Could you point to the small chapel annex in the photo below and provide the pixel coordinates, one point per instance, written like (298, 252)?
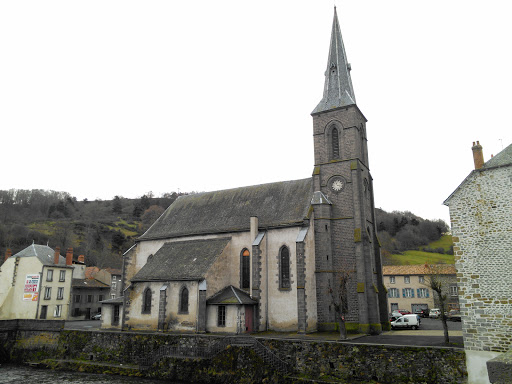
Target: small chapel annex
(266, 257)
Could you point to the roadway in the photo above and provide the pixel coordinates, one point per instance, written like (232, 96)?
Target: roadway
(430, 333)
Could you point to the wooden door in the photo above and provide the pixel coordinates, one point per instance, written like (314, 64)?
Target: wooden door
(249, 313)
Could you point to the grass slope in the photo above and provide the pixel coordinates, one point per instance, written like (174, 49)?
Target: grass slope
(414, 257)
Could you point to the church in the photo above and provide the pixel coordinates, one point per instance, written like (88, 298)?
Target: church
(268, 257)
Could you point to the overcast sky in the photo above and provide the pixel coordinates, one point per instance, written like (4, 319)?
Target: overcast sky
(105, 98)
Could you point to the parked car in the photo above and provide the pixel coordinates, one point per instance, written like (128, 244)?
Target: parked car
(406, 321)
(422, 312)
(96, 316)
(435, 313)
(454, 315)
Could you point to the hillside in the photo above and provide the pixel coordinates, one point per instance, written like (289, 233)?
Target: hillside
(100, 230)
(408, 239)
(432, 256)
(103, 230)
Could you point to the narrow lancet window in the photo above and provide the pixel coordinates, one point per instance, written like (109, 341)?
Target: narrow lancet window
(146, 307)
(335, 144)
(184, 300)
(284, 268)
(246, 269)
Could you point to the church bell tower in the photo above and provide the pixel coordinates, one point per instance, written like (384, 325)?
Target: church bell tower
(344, 214)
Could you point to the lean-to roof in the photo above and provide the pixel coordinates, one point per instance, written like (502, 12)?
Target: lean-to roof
(182, 260)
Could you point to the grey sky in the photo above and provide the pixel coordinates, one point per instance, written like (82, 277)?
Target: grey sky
(105, 98)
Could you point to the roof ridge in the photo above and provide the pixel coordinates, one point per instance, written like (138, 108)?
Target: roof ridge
(236, 295)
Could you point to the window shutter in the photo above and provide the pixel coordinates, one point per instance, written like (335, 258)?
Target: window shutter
(403, 292)
(427, 293)
(418, 291)
(412, 292)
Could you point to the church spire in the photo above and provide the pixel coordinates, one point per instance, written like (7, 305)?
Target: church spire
(338, 91)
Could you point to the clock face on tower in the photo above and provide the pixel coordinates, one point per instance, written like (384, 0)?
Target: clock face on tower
(336, 184)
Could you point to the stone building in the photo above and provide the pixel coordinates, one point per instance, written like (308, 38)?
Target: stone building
(273, 251)
(87, 297)
(481, 219)
(112, 277)
(408, 289)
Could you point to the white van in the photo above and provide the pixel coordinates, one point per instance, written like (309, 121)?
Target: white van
(406, 321)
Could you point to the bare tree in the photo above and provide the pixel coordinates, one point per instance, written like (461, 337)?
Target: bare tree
(339, 299)
(434, 280)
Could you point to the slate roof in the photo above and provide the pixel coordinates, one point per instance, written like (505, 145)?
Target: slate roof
(421, 269)
(278, 204)
(117, 300)
(501, 159)
(88, 283)
(113, 271)
(230, 295)
(44, 253)
(182, 260)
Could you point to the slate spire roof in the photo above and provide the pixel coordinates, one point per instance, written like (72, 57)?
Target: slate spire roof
(338, 91)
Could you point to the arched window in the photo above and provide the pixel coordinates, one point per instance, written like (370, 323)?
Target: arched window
(245, 265)
(335, 143)
(184, 300)
(284, 268)
(146, 301)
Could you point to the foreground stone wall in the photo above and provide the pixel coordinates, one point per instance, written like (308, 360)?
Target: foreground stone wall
(121, 352)
(480, 213)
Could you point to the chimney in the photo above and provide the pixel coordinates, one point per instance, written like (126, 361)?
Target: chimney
(478, 155)
(57, 256)
(254, 227)
(81, 259)
(8, 254)
(69, 256)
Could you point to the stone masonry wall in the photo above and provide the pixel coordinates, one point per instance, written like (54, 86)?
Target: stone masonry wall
(315, 360)
(481, 217)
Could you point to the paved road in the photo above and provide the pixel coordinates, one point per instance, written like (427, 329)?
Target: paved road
(429, 334)
(83, 324)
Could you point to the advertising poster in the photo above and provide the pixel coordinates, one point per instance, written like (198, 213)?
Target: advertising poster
(31, 290)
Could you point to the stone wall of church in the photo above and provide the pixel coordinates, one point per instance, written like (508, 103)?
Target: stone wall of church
(310, 286)
(282, 302)
(175, 319)
(481, 217)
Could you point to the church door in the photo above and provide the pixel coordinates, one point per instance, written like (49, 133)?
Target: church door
(248, 318)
